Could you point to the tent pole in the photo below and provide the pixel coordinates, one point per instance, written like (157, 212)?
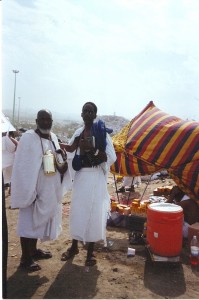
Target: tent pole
(116, 188)
(130, 191)
(146, 187)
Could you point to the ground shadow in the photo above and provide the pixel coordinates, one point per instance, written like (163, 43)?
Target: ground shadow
(74, 282)
(155, 273)
(22, 285)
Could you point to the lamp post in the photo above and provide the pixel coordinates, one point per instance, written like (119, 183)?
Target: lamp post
(18, 109)
(13, 111)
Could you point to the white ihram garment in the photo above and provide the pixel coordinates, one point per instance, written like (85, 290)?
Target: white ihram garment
(129, 180)
(8, 154)
(90, 201)
(38, 196)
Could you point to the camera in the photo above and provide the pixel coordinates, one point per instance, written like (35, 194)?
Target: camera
(91, 140)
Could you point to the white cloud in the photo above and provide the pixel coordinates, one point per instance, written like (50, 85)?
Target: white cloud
(116, 53)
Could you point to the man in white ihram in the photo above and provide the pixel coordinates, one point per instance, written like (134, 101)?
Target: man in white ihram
(9, 145)
(90, 200)
(36, 192)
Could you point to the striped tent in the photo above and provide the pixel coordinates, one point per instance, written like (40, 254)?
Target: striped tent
(153, 141)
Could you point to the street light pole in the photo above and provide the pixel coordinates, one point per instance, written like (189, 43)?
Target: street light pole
(13, 111)
(18, 109)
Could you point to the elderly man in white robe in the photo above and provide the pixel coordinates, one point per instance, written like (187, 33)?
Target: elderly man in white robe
(90, 201)
(38, 188)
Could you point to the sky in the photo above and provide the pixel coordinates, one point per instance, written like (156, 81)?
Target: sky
(119, 54)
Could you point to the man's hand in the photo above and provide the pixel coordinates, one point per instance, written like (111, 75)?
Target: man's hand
(62, 152)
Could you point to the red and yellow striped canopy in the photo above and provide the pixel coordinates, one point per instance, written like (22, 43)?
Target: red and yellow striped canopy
(153, 141)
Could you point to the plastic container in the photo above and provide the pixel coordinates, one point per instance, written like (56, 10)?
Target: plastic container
(164, 229)
(49, 163)
(113, 206)
(194, 251)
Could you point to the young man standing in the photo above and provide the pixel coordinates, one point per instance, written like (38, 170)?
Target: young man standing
(90, 201)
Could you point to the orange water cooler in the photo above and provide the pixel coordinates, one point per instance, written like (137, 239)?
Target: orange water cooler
(164, 229)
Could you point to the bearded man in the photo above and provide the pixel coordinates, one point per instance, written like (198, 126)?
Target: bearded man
(37, 189)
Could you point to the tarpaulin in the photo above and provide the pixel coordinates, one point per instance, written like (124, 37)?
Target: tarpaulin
(153, 141)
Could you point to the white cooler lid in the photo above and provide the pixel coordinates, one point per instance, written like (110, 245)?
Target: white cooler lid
(165, 207)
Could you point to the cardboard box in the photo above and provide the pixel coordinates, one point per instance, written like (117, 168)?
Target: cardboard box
(193, 230)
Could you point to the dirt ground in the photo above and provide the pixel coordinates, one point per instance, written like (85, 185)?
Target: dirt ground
(115, 276)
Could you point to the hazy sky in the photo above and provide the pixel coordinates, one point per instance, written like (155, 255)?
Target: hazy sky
(119, 54)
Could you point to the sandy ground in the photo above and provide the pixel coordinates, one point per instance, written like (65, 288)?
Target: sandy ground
(115, 275)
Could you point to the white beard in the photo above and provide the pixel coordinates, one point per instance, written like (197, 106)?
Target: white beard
(44, 131)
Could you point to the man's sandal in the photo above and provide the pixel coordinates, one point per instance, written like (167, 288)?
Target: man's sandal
(29, 265)
(91, 261)
(42, 254)
(70, 253)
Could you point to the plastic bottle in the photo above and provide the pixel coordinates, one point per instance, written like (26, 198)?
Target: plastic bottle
(194, 257)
